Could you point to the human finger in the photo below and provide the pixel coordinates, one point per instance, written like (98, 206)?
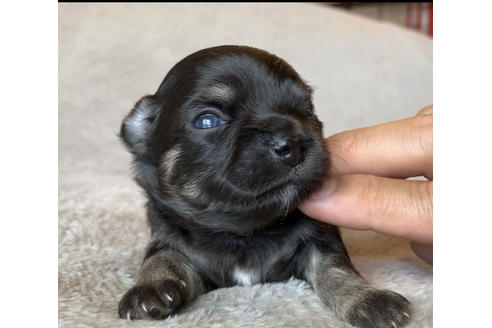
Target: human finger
(398, 149)
(397, 207)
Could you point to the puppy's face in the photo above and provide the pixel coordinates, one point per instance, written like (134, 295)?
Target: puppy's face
(229, 141)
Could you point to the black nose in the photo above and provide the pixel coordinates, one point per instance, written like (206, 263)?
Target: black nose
(289, 150)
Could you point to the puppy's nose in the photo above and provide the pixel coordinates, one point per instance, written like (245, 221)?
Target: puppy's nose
(289, 150)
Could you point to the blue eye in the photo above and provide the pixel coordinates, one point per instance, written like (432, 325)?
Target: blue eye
(207, 121)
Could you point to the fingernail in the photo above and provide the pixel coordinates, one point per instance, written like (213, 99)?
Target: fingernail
(324, 192)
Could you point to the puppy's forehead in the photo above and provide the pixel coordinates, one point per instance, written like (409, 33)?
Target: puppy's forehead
(220, 91)
(269, 78)
(236, 69)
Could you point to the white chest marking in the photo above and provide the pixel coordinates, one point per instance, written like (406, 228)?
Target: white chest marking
(245, 278)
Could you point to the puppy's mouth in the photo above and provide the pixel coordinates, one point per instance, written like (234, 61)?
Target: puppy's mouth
(286, 182)
(287, 192)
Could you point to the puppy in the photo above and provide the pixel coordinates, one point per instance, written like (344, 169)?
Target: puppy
(225, 150)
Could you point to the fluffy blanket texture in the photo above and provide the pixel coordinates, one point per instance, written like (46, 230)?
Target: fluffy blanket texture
(364, 72)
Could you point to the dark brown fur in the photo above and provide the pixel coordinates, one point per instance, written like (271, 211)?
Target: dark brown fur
(222, 201)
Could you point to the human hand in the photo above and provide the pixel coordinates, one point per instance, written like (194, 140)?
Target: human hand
(366, 188)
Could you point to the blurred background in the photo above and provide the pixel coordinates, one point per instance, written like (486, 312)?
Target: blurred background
(414, 15)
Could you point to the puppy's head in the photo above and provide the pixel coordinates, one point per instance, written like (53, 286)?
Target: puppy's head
(228, 142)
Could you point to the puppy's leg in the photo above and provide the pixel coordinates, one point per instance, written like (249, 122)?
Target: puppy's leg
(340, 286)
(165, 282)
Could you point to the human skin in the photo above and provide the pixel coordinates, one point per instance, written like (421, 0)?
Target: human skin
(367, 188)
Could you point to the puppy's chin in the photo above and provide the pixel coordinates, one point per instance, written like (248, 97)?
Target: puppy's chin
(214, 205)
(254, 210)
(287, 196)
(284, 198)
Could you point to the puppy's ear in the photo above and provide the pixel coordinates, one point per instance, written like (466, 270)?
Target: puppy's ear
(139, 124)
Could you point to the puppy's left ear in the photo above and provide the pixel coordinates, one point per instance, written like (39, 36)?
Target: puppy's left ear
(139, 124)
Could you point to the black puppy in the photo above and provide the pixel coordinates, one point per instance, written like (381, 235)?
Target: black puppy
(225, 150)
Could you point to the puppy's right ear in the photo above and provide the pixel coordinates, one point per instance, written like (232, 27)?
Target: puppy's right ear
(139, 124)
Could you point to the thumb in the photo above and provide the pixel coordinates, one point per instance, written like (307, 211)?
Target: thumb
(397, 207)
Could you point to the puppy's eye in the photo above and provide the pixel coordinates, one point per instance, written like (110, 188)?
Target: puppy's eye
(207, 121)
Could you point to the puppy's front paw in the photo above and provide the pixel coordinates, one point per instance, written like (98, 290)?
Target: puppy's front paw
(154, 300)
(380, 309)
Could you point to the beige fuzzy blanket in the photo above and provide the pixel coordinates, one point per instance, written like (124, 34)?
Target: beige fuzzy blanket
(364, 72)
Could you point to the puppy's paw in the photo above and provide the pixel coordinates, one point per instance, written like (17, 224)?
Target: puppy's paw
(154, 300)
(380, 309)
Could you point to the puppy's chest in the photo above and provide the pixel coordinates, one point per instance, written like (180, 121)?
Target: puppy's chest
(248, 261)
(246, 276)
(248, 266)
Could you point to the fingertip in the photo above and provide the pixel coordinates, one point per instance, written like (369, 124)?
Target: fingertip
(326, 204)
(324, 192)
(336, 202)
(315, 205)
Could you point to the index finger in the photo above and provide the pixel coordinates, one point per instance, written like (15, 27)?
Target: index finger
(397, 149)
